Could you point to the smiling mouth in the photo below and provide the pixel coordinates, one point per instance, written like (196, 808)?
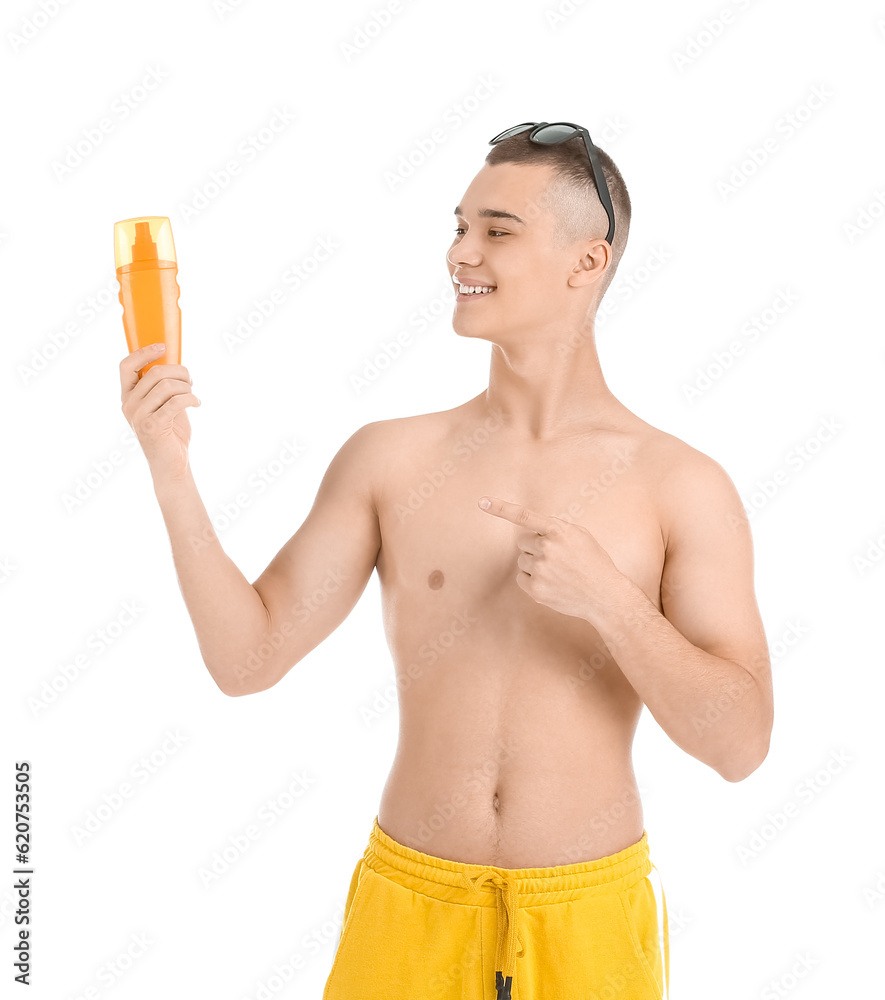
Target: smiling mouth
(466, 292)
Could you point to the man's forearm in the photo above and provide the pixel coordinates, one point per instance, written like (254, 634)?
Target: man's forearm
(710, 706)
(226, 610)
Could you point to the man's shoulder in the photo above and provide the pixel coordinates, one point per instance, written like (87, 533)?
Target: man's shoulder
(667, 460)
(690, 485)
(381, 447)
(410, 430)
(679, 462)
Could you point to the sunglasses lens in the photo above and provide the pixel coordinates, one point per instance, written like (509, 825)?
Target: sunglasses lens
(513, 131)
(554, 133)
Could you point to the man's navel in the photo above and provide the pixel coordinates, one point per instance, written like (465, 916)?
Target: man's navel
(435, 580)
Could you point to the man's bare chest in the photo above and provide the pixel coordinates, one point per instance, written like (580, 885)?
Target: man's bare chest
(438, 545)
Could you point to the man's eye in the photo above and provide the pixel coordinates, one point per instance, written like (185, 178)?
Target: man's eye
(492, 232)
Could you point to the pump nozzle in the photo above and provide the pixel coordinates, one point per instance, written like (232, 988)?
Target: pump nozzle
(143, 247)
(141, 241)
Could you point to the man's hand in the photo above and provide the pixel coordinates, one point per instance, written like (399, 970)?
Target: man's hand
(153, 403)
(561, 564)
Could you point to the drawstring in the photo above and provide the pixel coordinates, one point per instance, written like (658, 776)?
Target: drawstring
(508, 911)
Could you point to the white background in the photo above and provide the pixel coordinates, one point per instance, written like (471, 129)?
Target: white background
(680, 102)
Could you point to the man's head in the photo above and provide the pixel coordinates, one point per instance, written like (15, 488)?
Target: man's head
(551, 264)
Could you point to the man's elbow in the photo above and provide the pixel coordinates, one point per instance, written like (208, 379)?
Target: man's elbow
(240, 683)
(234, 692)
(239, 688)
(234, 686)
(226, 688)
(737, 768)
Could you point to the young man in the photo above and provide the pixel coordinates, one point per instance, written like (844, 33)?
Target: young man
(612, 568)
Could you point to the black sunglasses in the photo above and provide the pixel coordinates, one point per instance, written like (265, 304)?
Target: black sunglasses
(551, 133)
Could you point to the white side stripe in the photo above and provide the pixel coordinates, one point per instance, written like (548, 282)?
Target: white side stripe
(658, 889)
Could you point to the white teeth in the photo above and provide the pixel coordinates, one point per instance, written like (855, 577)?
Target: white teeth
(474, 289)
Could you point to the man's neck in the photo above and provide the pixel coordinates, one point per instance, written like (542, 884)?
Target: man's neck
(549, 396)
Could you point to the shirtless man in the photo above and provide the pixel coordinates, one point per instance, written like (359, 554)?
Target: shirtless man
(613, 568)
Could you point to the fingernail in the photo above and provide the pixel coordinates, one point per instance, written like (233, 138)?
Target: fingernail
(158, 347)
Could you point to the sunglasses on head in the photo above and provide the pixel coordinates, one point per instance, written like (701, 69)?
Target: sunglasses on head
(551, 133)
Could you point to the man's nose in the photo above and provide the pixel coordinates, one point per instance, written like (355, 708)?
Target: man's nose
(463, 253)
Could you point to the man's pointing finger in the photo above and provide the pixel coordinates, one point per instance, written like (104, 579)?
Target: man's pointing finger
(516, 514)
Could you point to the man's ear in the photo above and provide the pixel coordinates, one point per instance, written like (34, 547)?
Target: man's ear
(591, 266)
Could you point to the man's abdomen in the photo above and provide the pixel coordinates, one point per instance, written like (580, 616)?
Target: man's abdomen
(536, 782)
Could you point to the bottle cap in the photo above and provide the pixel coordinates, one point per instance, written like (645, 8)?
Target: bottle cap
(149, 237)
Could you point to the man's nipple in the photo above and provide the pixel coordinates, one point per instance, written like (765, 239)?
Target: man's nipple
(435, 580)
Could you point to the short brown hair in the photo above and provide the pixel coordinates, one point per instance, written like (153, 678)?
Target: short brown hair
(572, 193)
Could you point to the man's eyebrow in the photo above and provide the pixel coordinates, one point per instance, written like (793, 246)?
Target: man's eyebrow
(493, 213)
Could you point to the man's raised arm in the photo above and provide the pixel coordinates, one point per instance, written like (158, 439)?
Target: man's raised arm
(251, 635)
(312, 584)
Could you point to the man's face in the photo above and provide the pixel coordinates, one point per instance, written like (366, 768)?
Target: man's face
(532, 290)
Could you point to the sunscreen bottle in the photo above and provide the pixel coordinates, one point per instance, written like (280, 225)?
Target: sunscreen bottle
(147, 271)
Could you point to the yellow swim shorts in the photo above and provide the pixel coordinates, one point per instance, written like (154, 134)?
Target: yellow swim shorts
(420, 926)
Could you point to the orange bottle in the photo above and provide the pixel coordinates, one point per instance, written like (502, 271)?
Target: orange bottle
(147, 270)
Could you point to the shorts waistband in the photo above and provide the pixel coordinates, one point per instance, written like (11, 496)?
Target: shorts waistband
(463, 882)
(615, 871)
